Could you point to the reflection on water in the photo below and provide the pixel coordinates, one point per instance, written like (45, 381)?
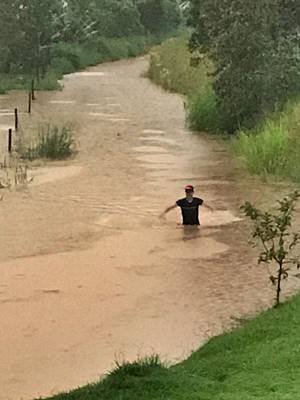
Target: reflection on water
(190, 232)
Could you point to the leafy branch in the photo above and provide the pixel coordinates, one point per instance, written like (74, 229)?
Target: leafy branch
(273, 231)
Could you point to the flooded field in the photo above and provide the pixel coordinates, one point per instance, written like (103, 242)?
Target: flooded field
(89, 273)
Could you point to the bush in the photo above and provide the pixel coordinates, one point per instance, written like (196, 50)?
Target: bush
(53, 143)
(67, 57)
(264, 152)
(274, 147)
(203, 112)
(158, 16)
(113, 49)
(170, 67)
(49, 82)
(3, 88)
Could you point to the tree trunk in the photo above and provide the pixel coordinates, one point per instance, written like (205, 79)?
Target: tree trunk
(278, 290)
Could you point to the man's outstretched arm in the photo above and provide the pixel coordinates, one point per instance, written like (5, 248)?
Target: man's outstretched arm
(167, 210)
(208, 206)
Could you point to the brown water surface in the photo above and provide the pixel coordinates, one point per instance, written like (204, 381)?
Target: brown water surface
(89, 273)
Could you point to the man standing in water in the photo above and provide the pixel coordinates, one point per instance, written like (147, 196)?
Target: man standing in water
(189, 207)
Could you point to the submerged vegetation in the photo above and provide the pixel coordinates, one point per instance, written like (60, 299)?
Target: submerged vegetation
(53, 142)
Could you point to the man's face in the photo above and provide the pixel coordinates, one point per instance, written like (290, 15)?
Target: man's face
(189, 193)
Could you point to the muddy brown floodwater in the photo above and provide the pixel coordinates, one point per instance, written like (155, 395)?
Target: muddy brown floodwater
(89, 274)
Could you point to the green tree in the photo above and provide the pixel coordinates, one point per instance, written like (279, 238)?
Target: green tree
(159, 16)
(277, 240)
(255, 53)
(28, 28)
(10, 35)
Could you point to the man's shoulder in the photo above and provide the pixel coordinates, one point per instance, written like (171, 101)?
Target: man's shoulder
(180, 201)
(198, 200)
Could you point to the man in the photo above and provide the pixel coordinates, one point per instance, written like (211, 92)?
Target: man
(189, 207)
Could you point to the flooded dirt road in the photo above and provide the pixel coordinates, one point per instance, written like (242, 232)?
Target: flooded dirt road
(89, 273)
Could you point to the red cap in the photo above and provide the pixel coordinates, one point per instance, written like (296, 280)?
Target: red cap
(189, 187)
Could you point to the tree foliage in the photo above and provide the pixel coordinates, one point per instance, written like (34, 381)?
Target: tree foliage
(255, 49)
(30, 29)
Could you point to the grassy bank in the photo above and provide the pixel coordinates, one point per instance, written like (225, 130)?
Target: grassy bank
(272, 149)
(68, 58)
(174, 68)
(260, 360)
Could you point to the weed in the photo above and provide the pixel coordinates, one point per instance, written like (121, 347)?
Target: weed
(52, 142)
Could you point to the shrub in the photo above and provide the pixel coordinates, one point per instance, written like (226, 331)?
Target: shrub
(3, 88)
(170, 67)
(264, 152)
(274, 147)
(69, 55)
(52, 142)
(203, 112)
(49, 82)
(273, 230)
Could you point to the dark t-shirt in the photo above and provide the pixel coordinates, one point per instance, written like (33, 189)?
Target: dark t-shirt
(190, 211)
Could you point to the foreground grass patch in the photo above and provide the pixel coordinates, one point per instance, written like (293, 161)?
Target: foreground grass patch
(260, 360)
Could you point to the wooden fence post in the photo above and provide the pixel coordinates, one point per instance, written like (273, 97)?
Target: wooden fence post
(9, 140)
(29, 103)
(16, 119)
(32, 90)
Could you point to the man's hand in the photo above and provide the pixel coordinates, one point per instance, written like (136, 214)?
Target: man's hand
(163, 214)
(208, 207)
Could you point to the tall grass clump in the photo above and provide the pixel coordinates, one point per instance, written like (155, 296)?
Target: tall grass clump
(172, 68)
(139, 368)
(203, 113)
(274, 147)
(53, 142)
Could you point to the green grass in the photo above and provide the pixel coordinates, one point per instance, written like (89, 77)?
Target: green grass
(171, 67)
(68, 58)
(273, 148)
(259, 361)
(174, 68)
(203, 113)
(53, 142)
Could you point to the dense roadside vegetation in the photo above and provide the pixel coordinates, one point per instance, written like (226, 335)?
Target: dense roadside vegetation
(251, 55)
(254, 47)
(258, 361)
(271, 148)
(46, 39)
